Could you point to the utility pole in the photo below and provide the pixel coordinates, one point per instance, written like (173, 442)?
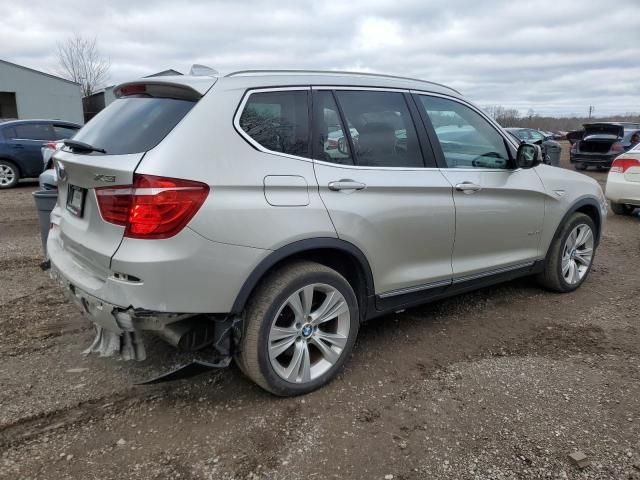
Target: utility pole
(591, 109)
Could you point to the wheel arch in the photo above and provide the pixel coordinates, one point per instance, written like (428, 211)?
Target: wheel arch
(12, 162)
(587, 205)
(340, 255)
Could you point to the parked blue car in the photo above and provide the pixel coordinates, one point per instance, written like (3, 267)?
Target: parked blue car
(20, 144)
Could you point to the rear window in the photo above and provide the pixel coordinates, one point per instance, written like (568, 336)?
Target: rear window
(63, 132)
(133, 124)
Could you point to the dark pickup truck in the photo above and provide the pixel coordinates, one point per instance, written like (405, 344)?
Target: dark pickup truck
(598, 144)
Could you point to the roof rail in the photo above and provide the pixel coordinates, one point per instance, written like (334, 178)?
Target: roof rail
(338, 72)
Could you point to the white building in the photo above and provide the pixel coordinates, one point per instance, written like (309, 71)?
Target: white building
(26, 93)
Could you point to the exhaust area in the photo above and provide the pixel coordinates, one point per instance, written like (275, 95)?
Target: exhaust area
(190, 334)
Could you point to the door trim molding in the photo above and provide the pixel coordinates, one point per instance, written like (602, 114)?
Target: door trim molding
(416, 288)
(402, 300)
(494, 271)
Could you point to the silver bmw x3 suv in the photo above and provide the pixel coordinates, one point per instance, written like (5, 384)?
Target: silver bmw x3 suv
(265, 215)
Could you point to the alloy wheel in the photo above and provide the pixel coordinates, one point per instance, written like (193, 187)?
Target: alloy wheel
(7, 175)
(309, 333)
(577, 254)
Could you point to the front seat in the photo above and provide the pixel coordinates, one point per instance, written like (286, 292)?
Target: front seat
(376, 143)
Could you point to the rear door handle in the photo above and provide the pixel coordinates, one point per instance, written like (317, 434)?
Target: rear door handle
(346, 184)
(468, 187)
(17, 146)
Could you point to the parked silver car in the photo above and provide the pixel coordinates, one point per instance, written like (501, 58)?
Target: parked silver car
(218, 212)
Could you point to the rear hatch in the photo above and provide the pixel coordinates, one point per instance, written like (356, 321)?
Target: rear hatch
(133, 124)
(598, 138)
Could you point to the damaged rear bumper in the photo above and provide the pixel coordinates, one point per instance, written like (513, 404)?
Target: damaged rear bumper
(118, 329)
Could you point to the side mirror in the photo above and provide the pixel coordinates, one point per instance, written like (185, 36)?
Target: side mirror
(528, 156)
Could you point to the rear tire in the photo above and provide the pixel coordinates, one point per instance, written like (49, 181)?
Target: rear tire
(621, 208)
(291, 345)
(580, 166)
(570, 255)
(9, 174)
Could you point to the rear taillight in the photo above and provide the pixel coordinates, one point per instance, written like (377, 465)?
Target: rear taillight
(617, 147)
(621, 165)
(153, 207)
(51, 145)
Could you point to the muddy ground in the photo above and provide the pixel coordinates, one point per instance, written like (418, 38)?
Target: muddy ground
(501, 383)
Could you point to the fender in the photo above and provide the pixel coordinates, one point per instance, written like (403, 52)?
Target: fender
(575, 206)
(294, 248)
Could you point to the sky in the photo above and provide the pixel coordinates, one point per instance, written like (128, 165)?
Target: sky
(553, 56)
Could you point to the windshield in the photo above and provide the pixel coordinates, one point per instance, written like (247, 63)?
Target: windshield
(133, 124)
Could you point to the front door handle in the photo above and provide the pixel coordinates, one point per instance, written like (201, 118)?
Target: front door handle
(17, 146)
(346, 184)
(468, 187)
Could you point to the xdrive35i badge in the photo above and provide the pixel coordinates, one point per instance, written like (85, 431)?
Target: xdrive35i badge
(99, 177)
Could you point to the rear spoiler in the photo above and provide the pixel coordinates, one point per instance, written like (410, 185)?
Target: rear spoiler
(184, 87)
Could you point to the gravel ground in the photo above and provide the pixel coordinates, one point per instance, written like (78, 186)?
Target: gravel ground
(502, 383)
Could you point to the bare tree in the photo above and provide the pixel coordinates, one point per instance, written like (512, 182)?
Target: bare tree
(510, 117)
(506, 117)
(81, 62)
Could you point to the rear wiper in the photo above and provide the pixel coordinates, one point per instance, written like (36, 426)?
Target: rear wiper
(82, 147)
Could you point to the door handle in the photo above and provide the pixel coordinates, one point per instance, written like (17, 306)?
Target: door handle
(468, 187)
(346, 184)
(17, 146)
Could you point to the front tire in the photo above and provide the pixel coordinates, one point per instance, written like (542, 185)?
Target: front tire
(9, 174)
(570, 255)
(621, 208)
(300, 327)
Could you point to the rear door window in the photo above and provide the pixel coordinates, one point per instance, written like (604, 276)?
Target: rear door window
(9, 133)
(330, 140)
(381, 128)
(34, 131)
(278, 121)
(133, 124)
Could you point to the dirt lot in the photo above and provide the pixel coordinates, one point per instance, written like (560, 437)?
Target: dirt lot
(501, 383)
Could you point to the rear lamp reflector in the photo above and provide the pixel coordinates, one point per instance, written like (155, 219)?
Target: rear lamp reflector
(621, 165)
(153, 207)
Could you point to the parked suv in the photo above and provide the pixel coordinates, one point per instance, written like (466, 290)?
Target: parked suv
(20, 144)
(222, 212)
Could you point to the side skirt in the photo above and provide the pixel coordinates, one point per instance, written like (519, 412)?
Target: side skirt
(388, 302)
